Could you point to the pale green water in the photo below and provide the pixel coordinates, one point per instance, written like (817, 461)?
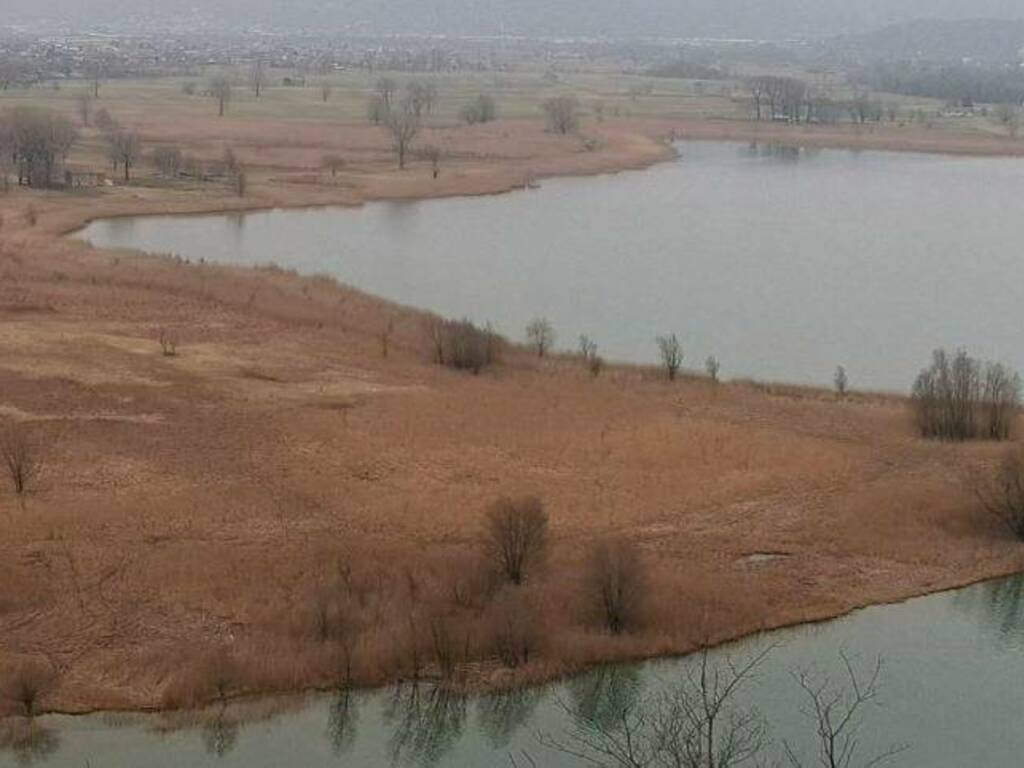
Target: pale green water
(952, 689)
(784, 264)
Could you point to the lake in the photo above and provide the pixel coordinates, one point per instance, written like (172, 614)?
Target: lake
(950, 691)
(783, 263)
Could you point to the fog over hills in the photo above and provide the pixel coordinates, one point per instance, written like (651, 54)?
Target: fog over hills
(760, 19)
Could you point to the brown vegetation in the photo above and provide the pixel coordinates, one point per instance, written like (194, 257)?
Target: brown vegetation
(283, 498)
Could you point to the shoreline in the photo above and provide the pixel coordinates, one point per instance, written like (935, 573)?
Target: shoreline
(54, 230)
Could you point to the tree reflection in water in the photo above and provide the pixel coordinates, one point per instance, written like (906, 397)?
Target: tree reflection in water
(601, 696)
(342, 719)
(1001, 602)
(427, 721)
(220, 734)
(28, 741)
(501, 715)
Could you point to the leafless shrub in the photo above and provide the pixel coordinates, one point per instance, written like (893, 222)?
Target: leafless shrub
(168, 343)
(462, 345)
(712, 367)
(432, 154)
(481, 109)
(541, 335)
(449, 642)
(615, 583)
(21, 456)
(515, 536)
(1000, 397)
(422, 97)
(1003, 495)
(25, 687)
(168, 161)
(841, 382)
(588, 351)
(515, 639)
(333, 163)
(959, 398)
(562, 114)
(218, 675)
(104, 120)
(671, 352)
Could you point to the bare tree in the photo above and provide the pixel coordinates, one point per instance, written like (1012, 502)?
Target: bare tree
(28, 685)
(125, 148)
(841, 382)
(541, 335)
(376, 111)
(1008, 115)
(22, 457)
(385, 88)
(587, 347)
(515, 536)
(1003, 495)
(482, 109)
(712, 367)
(422, 97)
(95, 70)
(220, 89)
(837, 714)
(258, 77)
(696, 724)
(168, 161)
(84, 102)
(671, 355)
(39, 141)
(562, 113)
(616, 584)
(432, 154)
(404, 125)
(959, 398)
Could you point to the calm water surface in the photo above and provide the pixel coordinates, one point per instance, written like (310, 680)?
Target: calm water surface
(952, 690)
(783, 263)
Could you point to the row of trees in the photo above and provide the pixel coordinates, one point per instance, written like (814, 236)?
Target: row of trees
(36, 142)
(791, 99)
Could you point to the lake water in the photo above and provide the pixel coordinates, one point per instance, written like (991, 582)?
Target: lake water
(951, 691)
(783, 263)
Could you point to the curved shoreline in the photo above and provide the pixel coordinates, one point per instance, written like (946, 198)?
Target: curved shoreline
(788, 615)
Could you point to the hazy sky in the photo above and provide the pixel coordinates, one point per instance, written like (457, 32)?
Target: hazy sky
(723, 18)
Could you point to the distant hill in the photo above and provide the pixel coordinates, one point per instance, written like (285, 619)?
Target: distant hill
(757, 19)
(983, 41)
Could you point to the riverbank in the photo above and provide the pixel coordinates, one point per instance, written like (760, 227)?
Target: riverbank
(202, 515)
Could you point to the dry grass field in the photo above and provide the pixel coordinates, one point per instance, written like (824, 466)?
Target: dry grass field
(279, 505)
